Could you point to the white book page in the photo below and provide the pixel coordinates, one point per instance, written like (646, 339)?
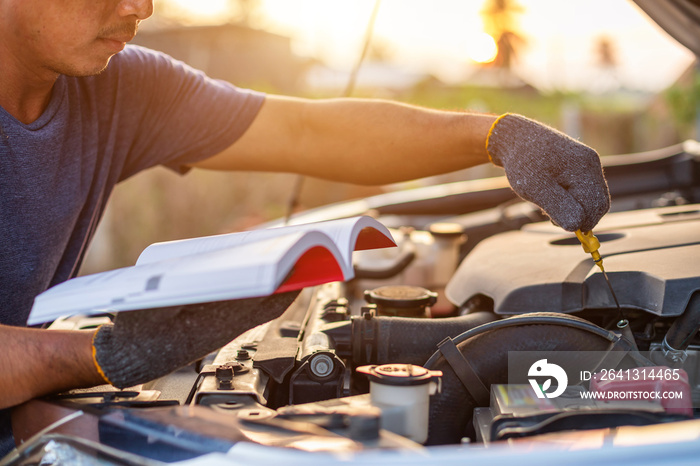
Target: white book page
(343, 232)
(248, 270)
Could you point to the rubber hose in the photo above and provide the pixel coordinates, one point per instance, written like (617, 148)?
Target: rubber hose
(686, 326)
(399, 265)
(386, 340)
(486, 349)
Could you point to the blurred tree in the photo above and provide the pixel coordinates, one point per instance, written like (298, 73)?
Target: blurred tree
(607, 62)
(500, 22)
(606, 54)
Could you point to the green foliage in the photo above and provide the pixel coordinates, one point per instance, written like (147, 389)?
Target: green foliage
(526, 101)
(683, 101)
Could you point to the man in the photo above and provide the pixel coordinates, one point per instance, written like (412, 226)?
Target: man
(77, 117)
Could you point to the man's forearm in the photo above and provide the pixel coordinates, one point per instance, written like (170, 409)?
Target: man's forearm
(379, 142)
(357, 140)
(38, 362)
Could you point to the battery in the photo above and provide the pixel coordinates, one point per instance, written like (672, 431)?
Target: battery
(516, 411)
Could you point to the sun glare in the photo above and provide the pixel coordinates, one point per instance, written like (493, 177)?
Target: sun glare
(482, 48)
(207, 8)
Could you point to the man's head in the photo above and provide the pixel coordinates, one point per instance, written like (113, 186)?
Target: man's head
(72, 37)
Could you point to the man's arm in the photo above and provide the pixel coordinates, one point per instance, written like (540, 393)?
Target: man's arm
(133, 351)
(37, 362)
(356, 140)
(378, 142)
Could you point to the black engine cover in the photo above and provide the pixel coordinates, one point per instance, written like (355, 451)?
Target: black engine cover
(652, 258)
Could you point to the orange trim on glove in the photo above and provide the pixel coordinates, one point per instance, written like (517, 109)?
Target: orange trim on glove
(94, 359)
(488, 136)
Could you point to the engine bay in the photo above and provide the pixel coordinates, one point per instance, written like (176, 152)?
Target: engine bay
(420, 349)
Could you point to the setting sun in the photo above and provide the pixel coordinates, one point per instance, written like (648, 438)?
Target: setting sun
(482, 48)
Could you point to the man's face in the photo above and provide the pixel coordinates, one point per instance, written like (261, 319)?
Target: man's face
(72, 37)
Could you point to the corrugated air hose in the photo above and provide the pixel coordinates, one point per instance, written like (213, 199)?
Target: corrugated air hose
(478, 358)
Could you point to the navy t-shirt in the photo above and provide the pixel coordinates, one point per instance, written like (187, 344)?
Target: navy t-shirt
(57, 172)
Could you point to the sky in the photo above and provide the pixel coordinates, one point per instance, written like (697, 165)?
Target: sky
(440, 36)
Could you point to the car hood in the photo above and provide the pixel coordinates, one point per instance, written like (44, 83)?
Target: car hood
(679, 18)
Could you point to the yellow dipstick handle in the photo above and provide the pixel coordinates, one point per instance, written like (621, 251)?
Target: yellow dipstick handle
(590, 245)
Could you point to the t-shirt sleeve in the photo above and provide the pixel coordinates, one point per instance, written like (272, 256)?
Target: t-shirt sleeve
(173, 114)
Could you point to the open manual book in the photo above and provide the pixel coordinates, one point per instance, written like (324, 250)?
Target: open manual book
(217, 268)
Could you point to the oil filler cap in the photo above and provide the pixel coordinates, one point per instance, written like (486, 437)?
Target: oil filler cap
(399, 374)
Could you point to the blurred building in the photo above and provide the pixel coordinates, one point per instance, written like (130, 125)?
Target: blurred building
(239, 54)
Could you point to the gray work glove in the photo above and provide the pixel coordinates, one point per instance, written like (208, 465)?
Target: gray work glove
(144, 345)
(550, 169)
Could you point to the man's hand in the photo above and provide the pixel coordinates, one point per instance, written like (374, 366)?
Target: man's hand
(552, 170)
(139, 347)
(144, 345)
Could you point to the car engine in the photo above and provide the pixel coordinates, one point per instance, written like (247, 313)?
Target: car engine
(415, 351)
